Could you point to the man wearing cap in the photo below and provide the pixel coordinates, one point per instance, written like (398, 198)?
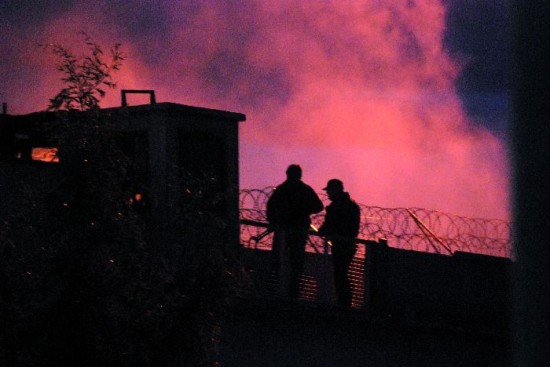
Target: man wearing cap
(341, 227)
(288, 211)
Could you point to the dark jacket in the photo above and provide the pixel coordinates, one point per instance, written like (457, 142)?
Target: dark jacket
(292, 203)
(342, 218)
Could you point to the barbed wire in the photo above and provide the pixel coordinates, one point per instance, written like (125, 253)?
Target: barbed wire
(414, 229)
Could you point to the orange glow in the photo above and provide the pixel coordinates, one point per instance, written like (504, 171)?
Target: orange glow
(136, 198)
(45, 155)
(315, 229)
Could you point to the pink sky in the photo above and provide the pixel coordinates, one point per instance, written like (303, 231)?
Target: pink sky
(357, 90)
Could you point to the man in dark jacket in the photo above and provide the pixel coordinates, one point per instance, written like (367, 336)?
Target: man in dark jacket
(341, 227)
(288, 211)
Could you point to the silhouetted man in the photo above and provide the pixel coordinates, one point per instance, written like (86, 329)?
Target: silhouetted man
(288, 211)
(341, 227)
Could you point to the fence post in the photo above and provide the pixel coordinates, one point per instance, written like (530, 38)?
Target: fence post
(375, 281)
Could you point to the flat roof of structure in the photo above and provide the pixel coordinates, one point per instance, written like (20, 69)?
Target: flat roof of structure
(163, 106)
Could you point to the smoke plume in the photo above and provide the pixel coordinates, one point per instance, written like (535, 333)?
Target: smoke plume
(359, 90)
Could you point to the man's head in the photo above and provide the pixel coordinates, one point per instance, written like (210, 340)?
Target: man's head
(294, 172)
(334, 187)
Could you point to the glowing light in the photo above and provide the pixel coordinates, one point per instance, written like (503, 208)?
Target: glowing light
(316, 230)
(135, 198)
(45, 154)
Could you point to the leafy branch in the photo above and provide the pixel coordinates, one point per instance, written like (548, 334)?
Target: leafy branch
(85, 77)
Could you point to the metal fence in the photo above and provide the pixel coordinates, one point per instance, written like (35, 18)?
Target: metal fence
(414, 229)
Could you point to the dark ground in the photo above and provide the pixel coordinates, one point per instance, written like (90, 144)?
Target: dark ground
(276, 333)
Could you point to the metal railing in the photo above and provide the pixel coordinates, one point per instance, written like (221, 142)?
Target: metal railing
(402, 228)
(316, 281)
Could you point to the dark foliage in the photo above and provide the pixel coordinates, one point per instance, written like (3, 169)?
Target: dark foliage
(87, 280)
(84, 77)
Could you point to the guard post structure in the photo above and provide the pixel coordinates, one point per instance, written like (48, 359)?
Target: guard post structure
(167, 140)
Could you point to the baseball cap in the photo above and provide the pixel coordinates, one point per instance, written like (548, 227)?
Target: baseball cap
(334, 183)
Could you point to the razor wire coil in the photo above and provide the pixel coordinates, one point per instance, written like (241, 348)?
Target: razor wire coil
(415, 229)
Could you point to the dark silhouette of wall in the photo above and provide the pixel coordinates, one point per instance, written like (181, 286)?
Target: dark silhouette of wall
(464, 290)
(531, 136)
(419, 309)
(278, 334)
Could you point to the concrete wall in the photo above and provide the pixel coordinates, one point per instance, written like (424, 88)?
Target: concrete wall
(420, 310)
(463, 290)
(408, 287)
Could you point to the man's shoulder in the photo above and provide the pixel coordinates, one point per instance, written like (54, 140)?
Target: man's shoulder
(307, 187)
(294, 185)
(348, 204)
(355, 206)
(277, 190)
(281, 187)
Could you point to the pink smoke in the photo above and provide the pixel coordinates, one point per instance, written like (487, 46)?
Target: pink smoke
(358, 90)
